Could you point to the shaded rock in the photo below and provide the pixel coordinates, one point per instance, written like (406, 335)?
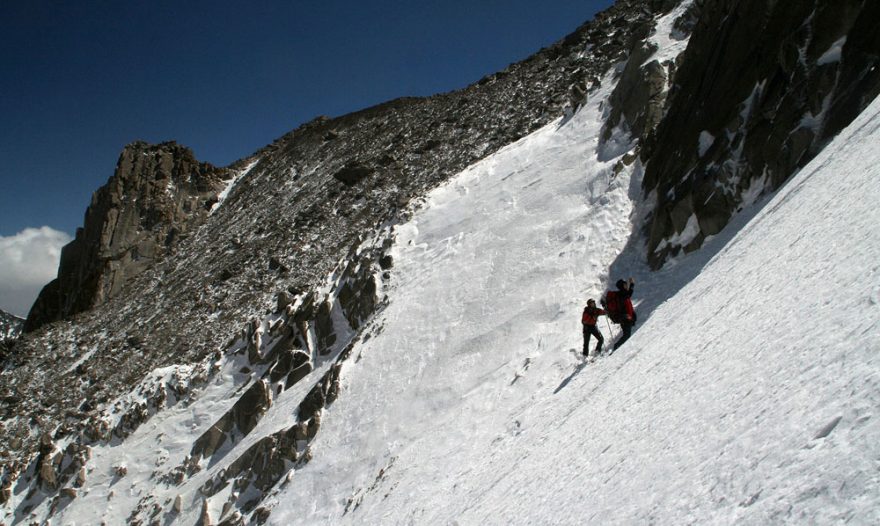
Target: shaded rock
(5, 492)
(429, 145)
(358, 299)
(387, 159)
(275, 264)
(261, 515)
(353, 173)
(242, 418)
(80, 478)
(764, 118)
(638, 100)
(284, 299)
(301, 367)
(68, 493)
(324, 329)
(312, 403)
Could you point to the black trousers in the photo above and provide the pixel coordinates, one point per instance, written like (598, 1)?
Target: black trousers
(626, 331)
(592, 330)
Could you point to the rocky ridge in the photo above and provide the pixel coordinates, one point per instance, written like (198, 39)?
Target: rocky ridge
(285, 273)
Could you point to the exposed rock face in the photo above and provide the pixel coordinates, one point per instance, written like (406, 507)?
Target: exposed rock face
(157, 194)
(637, 102)
(762, 87)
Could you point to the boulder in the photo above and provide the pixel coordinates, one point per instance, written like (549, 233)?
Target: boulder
(353, 173)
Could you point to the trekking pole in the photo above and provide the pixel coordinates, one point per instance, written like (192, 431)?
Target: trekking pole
(610, 332)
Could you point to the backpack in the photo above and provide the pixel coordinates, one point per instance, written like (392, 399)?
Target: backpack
(614, 307)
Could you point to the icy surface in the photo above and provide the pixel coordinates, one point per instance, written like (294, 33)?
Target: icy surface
(231, 184)
(748, 396)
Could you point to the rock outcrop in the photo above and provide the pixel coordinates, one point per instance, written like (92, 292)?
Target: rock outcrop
(156, 196)
(762, 87)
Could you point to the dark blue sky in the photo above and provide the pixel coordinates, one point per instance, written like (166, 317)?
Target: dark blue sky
(80, 80)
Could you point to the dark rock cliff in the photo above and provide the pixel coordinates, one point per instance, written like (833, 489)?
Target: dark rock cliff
(762, 87)
(157, 194)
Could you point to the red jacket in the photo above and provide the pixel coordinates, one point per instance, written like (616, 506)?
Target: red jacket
(630, 312)
(591, 315)
(628, 305)
(628, 309)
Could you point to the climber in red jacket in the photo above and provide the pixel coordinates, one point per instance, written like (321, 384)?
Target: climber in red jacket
(589, 319)
(619, 305)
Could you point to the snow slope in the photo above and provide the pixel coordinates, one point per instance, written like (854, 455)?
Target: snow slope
(747, 396)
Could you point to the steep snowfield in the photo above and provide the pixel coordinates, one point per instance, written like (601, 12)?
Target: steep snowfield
(747, 396)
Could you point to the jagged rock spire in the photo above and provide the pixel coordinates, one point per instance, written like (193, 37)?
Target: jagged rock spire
(157, 193)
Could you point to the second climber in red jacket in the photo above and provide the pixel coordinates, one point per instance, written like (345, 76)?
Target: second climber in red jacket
(589, 319)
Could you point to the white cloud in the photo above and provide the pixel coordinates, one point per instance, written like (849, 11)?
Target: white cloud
(28, 260)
